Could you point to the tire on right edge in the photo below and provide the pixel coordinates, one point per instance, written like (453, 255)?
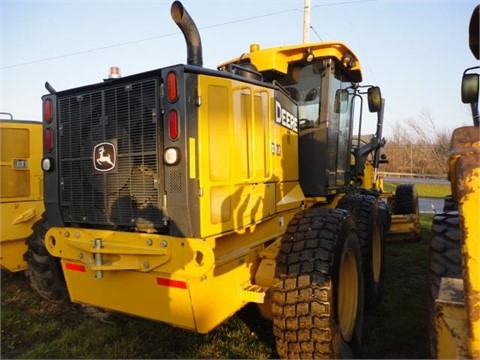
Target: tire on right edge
(445, 260)
(318, 290)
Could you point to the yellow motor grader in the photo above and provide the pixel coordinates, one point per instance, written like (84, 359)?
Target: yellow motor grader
(455, 247)
(21, 195)
(183, 193)
(403, 202)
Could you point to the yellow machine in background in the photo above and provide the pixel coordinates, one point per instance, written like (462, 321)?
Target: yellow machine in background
(21, 193)
(403, 202)
(405, 213)
(183, 193)
(455, 245)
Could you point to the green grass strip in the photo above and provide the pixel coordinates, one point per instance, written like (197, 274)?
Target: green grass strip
(424, 190)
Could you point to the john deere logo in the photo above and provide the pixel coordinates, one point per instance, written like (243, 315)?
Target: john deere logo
(104, 157)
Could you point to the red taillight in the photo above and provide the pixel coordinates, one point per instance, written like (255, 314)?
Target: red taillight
(48, 139)
(173, 129)
(172, 92)
(47, 111)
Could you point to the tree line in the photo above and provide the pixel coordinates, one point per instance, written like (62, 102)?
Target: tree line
(417, 147)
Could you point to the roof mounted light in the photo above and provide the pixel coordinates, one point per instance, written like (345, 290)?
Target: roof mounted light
(254, 47)
(347, 60)
(309, 55)
(114, 72)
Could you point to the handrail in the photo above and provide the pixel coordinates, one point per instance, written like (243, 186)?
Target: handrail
(413, 175)
(8, 114)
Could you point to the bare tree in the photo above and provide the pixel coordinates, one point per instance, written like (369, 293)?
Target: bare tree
(418, 146)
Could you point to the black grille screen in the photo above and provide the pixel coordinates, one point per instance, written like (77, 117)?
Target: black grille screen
(108, 156)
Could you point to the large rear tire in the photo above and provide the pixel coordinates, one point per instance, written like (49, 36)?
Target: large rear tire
(445, 261)
(44, 271)
(318, 290)
(371, 234)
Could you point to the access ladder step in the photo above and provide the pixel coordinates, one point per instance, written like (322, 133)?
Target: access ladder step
(254, 293)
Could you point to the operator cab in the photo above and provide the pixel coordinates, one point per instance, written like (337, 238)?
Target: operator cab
(322, 78)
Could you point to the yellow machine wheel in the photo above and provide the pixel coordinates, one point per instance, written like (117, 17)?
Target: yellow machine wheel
(445, 262)
(44, 271)
(318, 290)
(348, 293)
(365, 209)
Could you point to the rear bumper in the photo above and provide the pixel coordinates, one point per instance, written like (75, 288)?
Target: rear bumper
(190, 283)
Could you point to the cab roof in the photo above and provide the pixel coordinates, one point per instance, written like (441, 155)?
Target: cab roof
(278, 58)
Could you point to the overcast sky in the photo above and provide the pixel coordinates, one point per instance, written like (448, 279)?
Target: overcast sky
(416, 51)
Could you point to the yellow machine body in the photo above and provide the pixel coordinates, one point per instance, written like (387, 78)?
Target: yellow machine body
(451, 320)
(245, 201)
(244, 181)
(458, 304)
(21, 188)
(458, 336)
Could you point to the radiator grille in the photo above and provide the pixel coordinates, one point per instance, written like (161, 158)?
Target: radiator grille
(122, 117)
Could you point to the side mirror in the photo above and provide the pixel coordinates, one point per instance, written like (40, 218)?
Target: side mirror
(341, 101)
(470, 88)
(374, 99)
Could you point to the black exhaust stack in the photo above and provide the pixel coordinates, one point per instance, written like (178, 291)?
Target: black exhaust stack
(190, 31)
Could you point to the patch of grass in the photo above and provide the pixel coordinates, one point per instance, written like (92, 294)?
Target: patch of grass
(426, 225)
(33, 328)
(423, 190)
(398, 326)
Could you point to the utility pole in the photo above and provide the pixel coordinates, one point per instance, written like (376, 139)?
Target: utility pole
(306, 22)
